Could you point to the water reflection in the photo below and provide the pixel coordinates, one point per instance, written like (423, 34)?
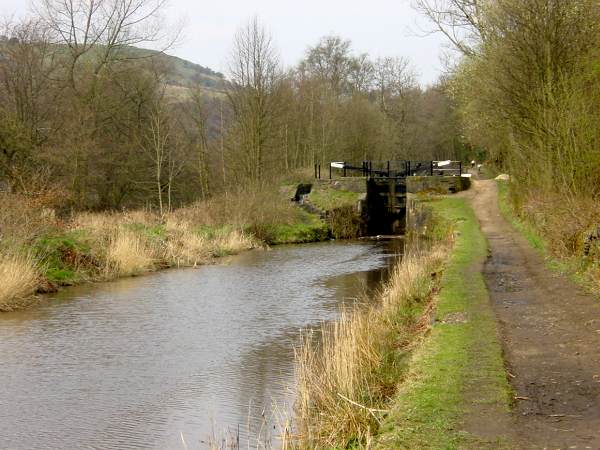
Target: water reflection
(140, 362)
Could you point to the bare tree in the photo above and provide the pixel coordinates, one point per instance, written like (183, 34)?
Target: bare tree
(393, 77)
(461, 21)
(361, 73)
(330, 61)
(28, 97)
(104, 27)
(155, 143)
(255, 76)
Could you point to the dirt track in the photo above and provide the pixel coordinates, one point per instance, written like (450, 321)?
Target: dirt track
(550, 334)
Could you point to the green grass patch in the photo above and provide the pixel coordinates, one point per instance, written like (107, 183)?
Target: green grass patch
(459, 355)
(212, 231)
(158, 231)
(308, 228)
(63, 255)
(328, 198)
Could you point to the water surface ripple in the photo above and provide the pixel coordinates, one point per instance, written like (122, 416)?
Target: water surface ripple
(139, 362)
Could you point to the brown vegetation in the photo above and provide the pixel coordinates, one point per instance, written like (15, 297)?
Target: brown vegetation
(345, 382)
(18, 280)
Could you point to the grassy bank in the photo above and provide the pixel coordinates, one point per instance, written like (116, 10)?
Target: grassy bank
(40, 252)
(458, 370)
(388, 376)
(565, 232)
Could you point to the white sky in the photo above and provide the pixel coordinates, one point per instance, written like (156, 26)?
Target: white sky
(377, 27)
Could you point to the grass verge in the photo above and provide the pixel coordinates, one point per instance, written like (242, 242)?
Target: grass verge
(458, 373)
(328, 198)
(528, 232)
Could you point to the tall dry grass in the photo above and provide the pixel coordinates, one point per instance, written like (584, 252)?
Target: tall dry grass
(21, 218)
(251, 209)
(18, 280)
(106, 245)
(128, 254)
(344, 379)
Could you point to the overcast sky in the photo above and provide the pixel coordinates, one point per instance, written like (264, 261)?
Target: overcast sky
(377, 27)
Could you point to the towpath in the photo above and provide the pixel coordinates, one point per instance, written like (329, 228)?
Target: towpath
(550, 331)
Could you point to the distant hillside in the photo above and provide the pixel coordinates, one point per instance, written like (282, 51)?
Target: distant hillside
(184, 73)
(181, 75)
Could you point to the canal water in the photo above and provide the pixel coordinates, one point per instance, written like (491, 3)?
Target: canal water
(178, 358)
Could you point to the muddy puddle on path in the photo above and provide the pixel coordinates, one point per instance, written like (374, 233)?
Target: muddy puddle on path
(192, 353)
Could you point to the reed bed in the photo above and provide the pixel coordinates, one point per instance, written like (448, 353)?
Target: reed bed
(347, 377)
(128, 254)
(19, 277)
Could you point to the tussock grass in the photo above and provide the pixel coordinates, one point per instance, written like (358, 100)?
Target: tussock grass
(18, 279)
(128, 254)
(345, 382)
(106, 245)
(253, 209)
(233, 242)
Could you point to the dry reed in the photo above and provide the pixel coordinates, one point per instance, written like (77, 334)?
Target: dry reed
(128, 254)
(113, 244)
(342, 380)
(18, 280)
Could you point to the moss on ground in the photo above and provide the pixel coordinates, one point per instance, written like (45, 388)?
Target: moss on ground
(461, 353)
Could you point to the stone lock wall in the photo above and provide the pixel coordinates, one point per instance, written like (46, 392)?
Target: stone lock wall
(437, 184)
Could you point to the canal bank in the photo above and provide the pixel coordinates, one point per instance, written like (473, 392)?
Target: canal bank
(421, 367)
(40, 252)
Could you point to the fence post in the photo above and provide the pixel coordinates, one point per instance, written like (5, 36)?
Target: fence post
(388, 169)
(408, 167)
(459, 168)
(315, 171)
(431, 168)
(330, 171)
(319, 171)
(344, 173)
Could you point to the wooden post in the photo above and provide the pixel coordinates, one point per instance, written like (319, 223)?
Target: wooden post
(388, 169)
(315, 170)
(431, 168)
(459, 168)
(319, 171)
(344, 175)
(330, 171)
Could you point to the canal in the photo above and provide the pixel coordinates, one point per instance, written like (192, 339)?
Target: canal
(177, 358)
